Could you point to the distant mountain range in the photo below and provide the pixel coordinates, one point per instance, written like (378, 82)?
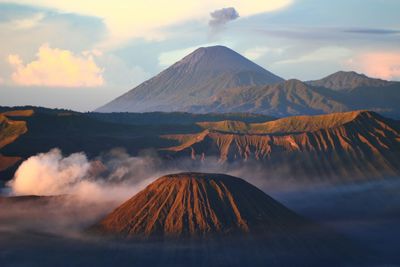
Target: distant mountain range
(217, 79)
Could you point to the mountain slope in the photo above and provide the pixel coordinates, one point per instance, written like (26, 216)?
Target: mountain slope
(200, 205)
(190, 81)
(357, 91)
(291, 97)
(353, 145)
(339, 92)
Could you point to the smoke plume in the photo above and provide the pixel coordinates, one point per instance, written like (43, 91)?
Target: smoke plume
(114, 176)
(222, 16)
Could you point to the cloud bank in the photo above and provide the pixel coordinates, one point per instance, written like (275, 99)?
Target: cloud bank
(384, 65)
(137, 19)
(58, 68)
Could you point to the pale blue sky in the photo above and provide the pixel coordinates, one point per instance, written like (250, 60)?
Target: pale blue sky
(62, 55)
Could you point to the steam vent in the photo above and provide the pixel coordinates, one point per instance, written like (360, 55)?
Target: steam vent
(199, 205)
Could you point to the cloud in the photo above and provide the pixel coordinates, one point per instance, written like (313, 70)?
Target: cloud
(372, 31)
(56, 67)
(259, 51)
(323, 54)
(222, 16)
(137, 19)
(118, 73)
(384, 65)
(25, 23)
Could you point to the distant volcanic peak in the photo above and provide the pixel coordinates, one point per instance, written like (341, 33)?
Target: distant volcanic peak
(350, 74)
(343, 80)
(192, 81)
(195, 205)
(220, 59)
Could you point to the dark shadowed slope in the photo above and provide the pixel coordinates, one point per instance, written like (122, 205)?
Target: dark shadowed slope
(190, 81)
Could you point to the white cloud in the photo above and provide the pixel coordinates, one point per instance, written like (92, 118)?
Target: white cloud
(331, 53)
(259, 51)
(56, 67)
(120, 74)
(129, 19)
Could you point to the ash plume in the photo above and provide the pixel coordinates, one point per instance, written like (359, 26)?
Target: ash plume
(222, 16)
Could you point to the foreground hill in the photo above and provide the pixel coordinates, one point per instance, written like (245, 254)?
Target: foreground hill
(225, 209)
(192, 80)
(343, 145)
(197, 204)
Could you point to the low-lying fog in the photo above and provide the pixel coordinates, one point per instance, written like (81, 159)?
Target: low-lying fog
(86, 190)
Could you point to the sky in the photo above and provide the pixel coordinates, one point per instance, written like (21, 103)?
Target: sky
(81, 54)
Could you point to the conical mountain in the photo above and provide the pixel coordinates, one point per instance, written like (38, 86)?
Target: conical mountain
(200, 205)
(190, 81)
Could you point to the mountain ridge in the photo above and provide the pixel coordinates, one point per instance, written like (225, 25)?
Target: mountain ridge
(360, 146)
(293, 124)
(291, 97)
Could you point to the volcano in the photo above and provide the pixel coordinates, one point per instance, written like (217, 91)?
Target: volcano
(200, 205)
(191, 81)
